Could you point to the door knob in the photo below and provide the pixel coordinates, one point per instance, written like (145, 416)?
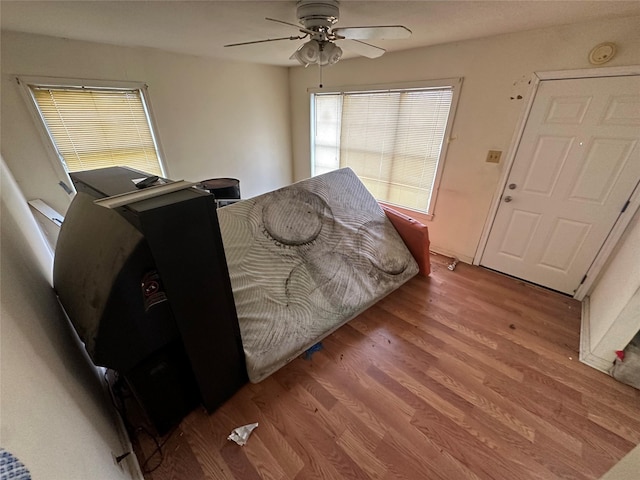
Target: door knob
(507, 199)
(512, 186)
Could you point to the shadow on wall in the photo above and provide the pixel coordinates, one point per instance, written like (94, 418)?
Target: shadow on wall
(29, 303)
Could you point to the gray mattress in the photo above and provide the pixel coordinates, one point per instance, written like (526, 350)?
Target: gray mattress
(305, 259)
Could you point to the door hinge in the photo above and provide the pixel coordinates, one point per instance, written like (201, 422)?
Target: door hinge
(625, 206)
(583, 279)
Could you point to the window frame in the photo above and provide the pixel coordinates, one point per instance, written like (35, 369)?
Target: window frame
(454, 83)
(25, 82)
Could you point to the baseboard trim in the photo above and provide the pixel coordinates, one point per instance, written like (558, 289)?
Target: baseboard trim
(130, 463)
(448, 253)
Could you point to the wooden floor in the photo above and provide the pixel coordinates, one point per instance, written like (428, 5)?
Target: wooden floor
(464, 375)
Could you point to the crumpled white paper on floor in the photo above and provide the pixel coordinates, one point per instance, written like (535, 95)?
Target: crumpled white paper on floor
(240, 435)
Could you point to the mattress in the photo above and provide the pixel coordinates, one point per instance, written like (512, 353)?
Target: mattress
(305, 259)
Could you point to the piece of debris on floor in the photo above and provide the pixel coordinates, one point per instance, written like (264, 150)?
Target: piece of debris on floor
(241, 434)
(309, 353)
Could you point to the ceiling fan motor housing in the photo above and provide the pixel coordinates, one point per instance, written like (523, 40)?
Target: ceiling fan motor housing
(318, 13)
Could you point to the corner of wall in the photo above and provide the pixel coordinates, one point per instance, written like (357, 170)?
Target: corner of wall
(16, 205)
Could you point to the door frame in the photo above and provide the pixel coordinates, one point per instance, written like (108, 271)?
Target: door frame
(622, 221)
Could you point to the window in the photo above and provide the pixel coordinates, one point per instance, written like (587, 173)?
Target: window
(393, 139)
(96, 126)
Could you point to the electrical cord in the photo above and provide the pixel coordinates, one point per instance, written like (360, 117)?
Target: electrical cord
(120, 393)
(158, 450)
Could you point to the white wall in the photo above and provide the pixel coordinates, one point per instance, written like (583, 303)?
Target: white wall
(614, 301)
(494, 70)
(54, 414)
(214, 118)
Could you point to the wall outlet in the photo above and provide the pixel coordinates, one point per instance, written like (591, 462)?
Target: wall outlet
(118, 461)
(494, 156)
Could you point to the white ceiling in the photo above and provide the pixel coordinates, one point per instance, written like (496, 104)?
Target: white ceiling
(203, 27)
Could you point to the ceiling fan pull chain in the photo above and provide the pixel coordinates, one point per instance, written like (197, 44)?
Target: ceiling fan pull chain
(320, 66)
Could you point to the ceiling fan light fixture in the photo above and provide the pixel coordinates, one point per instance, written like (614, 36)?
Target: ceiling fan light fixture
(308, 53)
(330, 53)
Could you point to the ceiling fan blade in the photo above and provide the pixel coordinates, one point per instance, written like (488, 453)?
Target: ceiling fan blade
(299, 27)
(380, 32)
(362, 48)
(263, 41)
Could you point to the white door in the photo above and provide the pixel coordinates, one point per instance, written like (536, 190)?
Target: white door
(577, 164)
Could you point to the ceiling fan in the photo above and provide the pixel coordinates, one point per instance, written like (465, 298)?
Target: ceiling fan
(317, 18)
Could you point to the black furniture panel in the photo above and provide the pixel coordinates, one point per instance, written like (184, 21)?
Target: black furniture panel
(184, 236)
(105, 182)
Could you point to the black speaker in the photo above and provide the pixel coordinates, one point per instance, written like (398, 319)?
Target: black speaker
(164, 387)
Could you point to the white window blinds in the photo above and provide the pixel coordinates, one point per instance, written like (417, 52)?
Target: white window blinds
(97, 128)
(391, 139)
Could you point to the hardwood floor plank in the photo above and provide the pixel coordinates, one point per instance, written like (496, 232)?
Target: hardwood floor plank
(616, 410)
(568, 414)
(425, 394)
(207, 454)
(464, 375)
(621, 425)
(385, 410)
(444, 462)
(480, 401)
(362, 451)
(565, 463)
(398, 306)
(415, 368)
(517, 410)
(296, 377)
(404, 460)
(471, 447)
(527, 454)
(480, 362)
(236, 458)
(315, 445)
(534, 401)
